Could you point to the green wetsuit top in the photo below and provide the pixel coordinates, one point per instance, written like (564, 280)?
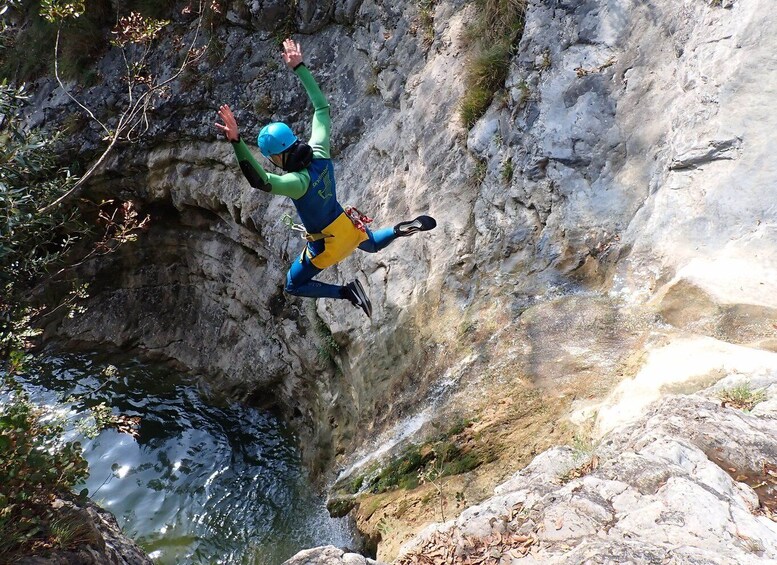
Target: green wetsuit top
(293, 185)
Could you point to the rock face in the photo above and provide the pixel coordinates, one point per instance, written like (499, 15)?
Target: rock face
(205, 284)
(638, 147)
(328, 555)
(690, 482)
(638, 134)
(107, 546)
(610, 220)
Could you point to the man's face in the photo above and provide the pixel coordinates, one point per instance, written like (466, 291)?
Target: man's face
(277, 160)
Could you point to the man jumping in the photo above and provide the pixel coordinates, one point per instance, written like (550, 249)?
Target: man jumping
(331, 232)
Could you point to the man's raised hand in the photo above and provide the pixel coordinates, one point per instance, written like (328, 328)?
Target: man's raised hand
(229, 127)
(292, 53)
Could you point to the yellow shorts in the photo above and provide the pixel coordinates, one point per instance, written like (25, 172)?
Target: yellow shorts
(342, 238)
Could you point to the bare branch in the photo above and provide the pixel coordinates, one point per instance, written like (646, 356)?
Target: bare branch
(117, 232)
(129, 72)
(133, 121)
(62, 85)
(79, 183)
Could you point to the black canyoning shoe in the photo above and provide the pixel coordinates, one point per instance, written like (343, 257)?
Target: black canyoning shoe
(421, 223)
(354, 292)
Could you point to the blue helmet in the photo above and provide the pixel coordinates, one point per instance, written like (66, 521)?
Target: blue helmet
(275, 138)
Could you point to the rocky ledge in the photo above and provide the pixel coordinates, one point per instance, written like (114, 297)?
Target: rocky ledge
(102, 540)
(694, 480)
(329, 555)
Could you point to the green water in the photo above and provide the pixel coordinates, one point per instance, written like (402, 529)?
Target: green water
(203, 483)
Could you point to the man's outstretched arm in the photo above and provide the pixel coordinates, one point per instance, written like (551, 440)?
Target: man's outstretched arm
(321, 130)
(288, 185)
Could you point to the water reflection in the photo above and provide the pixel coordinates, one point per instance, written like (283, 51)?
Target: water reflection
(201, 483)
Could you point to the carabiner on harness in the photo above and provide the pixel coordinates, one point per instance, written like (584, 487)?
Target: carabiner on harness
(358, 218)
(288, 221)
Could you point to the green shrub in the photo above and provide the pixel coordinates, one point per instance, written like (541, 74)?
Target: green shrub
(355, 485)
(490, 67)
(742, 396)
(492, 36)
(507, 170)
(35, 40)
(463, 464)
(401, 472)
(426, 18)
(442, 456)
(459, 425)
(82, 42)
(72, 529)
(30, 243)
(31, 44)
(328, 348)
(474, 104)
(36, 467)
(26, 51)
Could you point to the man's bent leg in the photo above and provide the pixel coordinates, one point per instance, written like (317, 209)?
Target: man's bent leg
(299, 281)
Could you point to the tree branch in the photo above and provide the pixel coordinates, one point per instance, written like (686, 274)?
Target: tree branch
(62, 85)
(136, 113)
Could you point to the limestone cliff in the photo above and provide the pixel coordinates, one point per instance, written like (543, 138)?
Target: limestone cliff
(682, 485)
(607, 233)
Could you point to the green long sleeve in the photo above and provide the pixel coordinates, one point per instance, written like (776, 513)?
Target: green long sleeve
(292, 185)
(322, 123)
